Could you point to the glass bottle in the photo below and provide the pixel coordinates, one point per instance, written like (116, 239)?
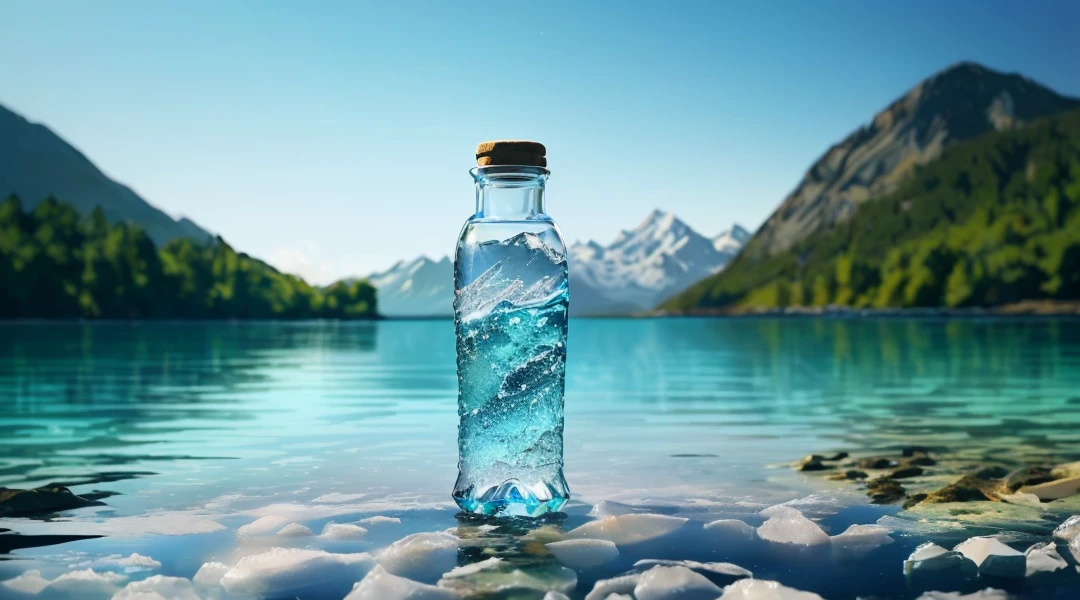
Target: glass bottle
(510, 310)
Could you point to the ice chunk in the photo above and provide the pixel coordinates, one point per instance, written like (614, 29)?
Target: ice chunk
(85, 584)
(763, 589)
(992, 557)
(987, 594)
(158, 587)
(1069, 530)
(1044, 558)
(608, 508)
(933, 560)
(209, 575)
(294, 530)
(624, 584)
(380, 520)
(628, 529)
(675, 583)
(862, 537)
(338, 497)
(385, 586)
(731, 527)
(343, 531)
(422, 557)
(619, 597)
(130, 564)
(30, 582)
(1053, 490)
(788, 526)
(474, 568)
(262, 526)
(1074, 548)
(285, 572)
(583, 553)
(725, 572)
(556, 596)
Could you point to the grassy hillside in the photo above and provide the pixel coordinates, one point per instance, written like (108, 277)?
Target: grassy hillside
(56, 264)
(994, 220)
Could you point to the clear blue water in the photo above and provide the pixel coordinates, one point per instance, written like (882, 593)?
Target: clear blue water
(197, 429)
(511, 362)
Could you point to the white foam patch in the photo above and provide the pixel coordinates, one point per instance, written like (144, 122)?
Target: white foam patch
(209, 575)
(296, 572)
(583, 553)
(674, 583)
(788, 526)
(763, 589)
(629, 528)
(381, 585)
(421, 557)
(294, 530)
(158, 587)
(343, 531)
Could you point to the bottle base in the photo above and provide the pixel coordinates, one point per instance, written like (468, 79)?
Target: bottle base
(511, 499)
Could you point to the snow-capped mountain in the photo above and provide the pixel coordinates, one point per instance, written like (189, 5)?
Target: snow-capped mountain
(418, 288)
(642, 267)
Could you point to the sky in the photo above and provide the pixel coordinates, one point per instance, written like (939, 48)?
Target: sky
(334, 138)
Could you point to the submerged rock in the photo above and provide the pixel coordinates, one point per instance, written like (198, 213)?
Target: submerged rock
(884, 490)
(763, 589)
(993, 557)
(40, 501)
(920, 460)
(876, 462)
(1066, 471)
(1032, 475)
(849, 475)
(969, 488)
(905, 472)
(1044, 558)
(813, 463)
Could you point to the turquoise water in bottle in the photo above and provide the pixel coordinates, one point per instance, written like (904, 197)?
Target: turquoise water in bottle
(511, 299)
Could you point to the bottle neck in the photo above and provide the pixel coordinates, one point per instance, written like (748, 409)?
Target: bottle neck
(509, 193)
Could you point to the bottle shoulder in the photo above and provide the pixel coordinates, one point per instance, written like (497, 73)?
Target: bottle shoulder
(477, 231)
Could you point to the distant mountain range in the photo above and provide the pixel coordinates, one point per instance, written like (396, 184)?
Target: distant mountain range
(642, 267)
(956, 104)
(35, 164)
(963, 192)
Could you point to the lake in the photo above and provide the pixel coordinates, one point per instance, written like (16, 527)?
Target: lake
(189, 431)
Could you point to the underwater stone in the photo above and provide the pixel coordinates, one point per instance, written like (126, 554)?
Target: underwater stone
(40, 501)
(884, 490)
(992, 557)
(904, 472)
(876, 462)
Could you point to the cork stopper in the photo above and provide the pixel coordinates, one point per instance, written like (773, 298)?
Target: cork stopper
(511, 152)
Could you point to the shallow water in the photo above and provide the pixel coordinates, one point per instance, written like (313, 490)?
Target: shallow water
(200, 428)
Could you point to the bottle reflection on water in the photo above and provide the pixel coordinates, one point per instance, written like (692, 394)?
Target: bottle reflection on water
(510, 309)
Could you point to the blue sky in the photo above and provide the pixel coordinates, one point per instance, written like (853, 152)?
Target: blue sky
(335, 138)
